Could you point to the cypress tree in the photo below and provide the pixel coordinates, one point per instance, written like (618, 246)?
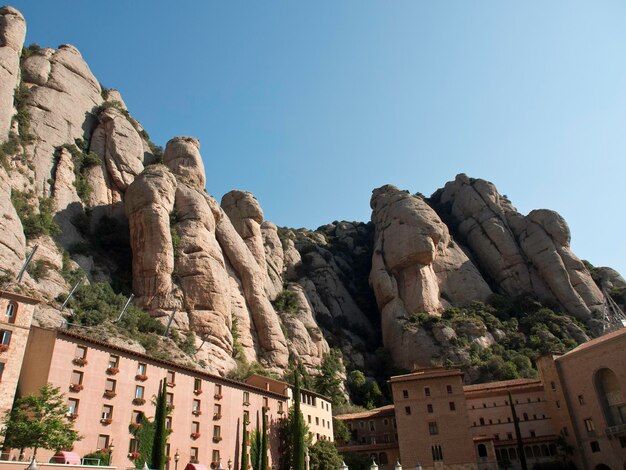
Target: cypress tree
(518, 435)
(160, 433)
(244, 446)
(264, 441)
(297, 458)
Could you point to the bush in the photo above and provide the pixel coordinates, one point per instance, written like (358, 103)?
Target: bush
(83, 160)
(286, 301)
(35, 224)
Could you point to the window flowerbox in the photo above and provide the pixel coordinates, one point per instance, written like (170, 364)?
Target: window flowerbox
(196, 412)
(106, 421)
(79, 361)
(217, 439)
(195, 435)
(109, 394)
(113, 370)
(171, 384)
(246, 403)
(217, 416)
(198, 392)
(72, 416)
(139, 401)
(133, 455)
(76, 387)
(218, 396)
(141, 377)
(4, 347)
(135, 425)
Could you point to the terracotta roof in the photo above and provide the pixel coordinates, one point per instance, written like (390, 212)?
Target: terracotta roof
(426, 373)
(197, 372)
(382, 411)
(600, 339)
(503, 384)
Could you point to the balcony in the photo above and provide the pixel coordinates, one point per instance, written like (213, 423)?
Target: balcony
(76, 388)
(109, 394)
(196, 412)
(198, 391)
(4, 347)
(615, 430)
(195, 435)
(139, 401)
(141, 377)
(106, 421)
(218, 396)
(79, 361)
(217, 439)
(217, 416)
(113, 370)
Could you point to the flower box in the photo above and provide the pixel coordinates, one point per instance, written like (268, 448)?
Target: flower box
(246, 403)
(217, 416)
(218, 396)
(195, 435)
(4, 347)
(133, 455)
(72, 416)
(217, 439)
(109, 394)
(106, 421)
(135, 425)
(79, 361)
(196, 412)
(198, 392)
(76, 387)
(141, 377)
(139, 401)
(113, 370)
(171, 384)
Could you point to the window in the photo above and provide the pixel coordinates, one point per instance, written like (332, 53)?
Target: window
(525, 416)
(139, 390)
(114, 361)
(168, 422)
(405, 393)
(449, 388)
(77, 377)
(372, 426)
(141, 368)
(5, 337)
(532, 433)
(407, 410)
(432, 428)
(427, 391)
(429, 408)
(110, 385)
(246, 398)
(137, 416)
(509, 435)
(565, 432)
(611, 397)
(246, 416)
(317, 421)
(372, 439)
(193, 454)
(217, 410)
(589, 425)
(280, 407)
(196, 405)
(72, 406)
(553, 386)
(80, 352)
(482, 450)
(169, 399)
(10, 312)
(171, 377)
(558, 404)
(103, 442)
(218, 389)
(386, 422)
(309, 418)
(482, 421)
(107, 412)
(216, 431)
(484, 405)
(266, 402)
(452, 406)
(437, 453)
(215, 456)
(133, 446)
(496, 436)
(195, 427)
(197, 385)
(595, 446)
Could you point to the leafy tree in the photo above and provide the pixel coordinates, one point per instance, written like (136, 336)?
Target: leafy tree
(324, 456)
(244, 446)
(160, 431)
(328, 383)
(364, 392)
(340, 430)
(99, 457)
(39, 421)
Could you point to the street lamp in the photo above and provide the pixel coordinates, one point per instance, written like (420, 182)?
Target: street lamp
(398, 466)
(176, 459)
(219, 465)
(374, 466)
(230, 464)
(343, 466)
(111, 449)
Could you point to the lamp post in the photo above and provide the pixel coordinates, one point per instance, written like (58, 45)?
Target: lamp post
(343, 466)
(398, 466)
(111, 449)
(374, 466)
(307, 459)
(219, 465)
(230, 464)
(176, 459)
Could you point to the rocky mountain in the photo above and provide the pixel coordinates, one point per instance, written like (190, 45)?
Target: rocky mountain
(461, 277)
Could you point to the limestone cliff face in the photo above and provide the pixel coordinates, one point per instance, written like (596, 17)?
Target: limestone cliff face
(249, 290)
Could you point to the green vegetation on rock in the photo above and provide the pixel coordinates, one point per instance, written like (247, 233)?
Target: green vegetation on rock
(35, 223)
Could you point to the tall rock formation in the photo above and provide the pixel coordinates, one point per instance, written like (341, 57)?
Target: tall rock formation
(12, 34)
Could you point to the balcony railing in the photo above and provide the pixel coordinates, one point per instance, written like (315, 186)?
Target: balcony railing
(615, 430)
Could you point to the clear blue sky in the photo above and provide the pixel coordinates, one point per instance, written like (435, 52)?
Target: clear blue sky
(311, 105)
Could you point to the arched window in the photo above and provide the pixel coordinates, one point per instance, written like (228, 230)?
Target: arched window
(482, 450)
(611, 397)
(382, 458)
(529, 452)
(11, 312)
(536, 451)
(512, 454)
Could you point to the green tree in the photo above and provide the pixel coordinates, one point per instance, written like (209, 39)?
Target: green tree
(255, 450)
(518, 434)
(144, 434)
(329, 383)
(297, 429)
(39, 421)
(356, 461)
(341, 432)
(244, 446)
(324, 456)
(264, 441)
(160, 431)
(364, 392)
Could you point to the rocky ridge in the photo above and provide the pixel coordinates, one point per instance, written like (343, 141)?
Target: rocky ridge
(82, 181)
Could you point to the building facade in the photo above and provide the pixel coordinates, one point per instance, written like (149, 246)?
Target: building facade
(585, 393)
(16, 315)
(109, 389)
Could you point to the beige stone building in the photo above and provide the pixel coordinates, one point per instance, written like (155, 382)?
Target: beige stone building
(373, 433)
(16, 315)
(585, 392)
(109, 388)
